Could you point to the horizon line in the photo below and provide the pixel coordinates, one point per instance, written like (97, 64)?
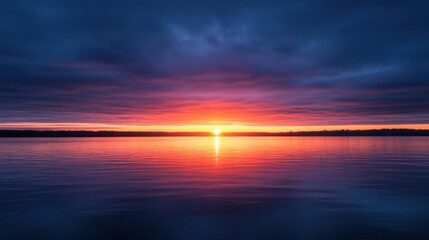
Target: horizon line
(113, 133)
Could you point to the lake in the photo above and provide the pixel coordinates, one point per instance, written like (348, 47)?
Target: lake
(214, 188)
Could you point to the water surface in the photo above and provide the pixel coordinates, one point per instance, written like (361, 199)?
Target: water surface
(214, 188)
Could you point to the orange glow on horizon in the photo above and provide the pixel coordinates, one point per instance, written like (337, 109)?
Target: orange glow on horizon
(195, 128)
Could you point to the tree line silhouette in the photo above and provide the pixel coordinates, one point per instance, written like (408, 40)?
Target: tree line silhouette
(345, 132)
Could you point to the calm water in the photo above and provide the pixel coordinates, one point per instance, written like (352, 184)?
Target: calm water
(214, 188)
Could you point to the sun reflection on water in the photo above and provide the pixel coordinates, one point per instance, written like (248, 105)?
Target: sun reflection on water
(217, 142)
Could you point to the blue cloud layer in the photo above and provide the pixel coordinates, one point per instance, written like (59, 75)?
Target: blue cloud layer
(314, 62)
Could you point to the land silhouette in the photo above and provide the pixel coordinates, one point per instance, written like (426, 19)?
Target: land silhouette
(345, 132)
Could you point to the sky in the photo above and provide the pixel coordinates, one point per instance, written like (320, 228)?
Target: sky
(193, 65)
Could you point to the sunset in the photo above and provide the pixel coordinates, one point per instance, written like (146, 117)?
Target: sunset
(150, 65)
(217, 131)
(214, 120)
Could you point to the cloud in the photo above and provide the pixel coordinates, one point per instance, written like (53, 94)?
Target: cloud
(254, 62)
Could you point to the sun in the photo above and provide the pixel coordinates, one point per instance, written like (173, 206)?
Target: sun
(216, 131)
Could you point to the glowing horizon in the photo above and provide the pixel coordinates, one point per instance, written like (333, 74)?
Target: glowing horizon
(195, 128)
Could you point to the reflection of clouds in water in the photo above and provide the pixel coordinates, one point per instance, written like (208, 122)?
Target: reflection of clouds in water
(169, 188)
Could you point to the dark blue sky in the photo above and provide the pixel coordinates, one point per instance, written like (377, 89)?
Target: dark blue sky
(214, 62)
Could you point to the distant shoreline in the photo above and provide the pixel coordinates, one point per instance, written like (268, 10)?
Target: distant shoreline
(74, 133)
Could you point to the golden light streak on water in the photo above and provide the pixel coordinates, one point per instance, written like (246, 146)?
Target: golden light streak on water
(217, 143)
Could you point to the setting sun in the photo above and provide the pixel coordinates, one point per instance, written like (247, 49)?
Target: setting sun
(216, 131)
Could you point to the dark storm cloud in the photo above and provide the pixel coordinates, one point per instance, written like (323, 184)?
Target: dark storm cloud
(335, 62)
